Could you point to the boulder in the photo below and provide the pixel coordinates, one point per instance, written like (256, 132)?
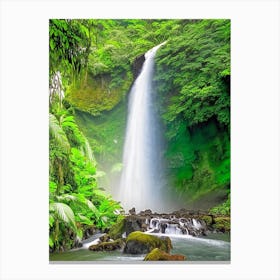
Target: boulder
(104, 238)
(159, 255)
(132, 211)
(134, 223)
(108, 246)
(140, 243)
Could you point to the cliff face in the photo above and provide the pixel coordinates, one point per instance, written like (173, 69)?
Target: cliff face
(137, 65)
(97, 94)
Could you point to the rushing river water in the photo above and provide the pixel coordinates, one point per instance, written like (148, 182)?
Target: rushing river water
(216, 247)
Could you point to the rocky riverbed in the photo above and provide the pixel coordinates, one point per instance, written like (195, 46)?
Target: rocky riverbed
(194, 223)
(143, 232)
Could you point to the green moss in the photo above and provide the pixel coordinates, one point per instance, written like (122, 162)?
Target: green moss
(107, 246)
(96, 95)
(105, 133)
(159, 255)
(117, 229)
(150, 241)
(222, 224)
(198, 161)
(207, 219)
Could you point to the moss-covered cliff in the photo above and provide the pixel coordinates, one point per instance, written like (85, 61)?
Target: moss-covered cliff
(98, 94)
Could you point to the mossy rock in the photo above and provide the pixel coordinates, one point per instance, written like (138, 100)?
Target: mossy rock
(138, 242)
(97, 94)
(159, 255)
(207, 219)
(108, 246)
(117, 229)
(222, 224)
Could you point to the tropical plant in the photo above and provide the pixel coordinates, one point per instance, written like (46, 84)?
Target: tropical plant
(75, 199)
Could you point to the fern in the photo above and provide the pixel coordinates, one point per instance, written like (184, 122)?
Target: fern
(79, 200)
(64, 214)
(58, 133)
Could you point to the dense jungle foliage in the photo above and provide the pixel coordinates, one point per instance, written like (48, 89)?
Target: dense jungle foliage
(91, 69)
(193, 83)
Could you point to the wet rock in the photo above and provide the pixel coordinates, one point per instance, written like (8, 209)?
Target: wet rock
(132, 223)
(104, 238)
(147, 212)
(141, 243)
(108, 246)
(144, 227)
(137, 65)
(202, 212)
(159, 255)
(163, 227)
(132, 211)
(135, 223)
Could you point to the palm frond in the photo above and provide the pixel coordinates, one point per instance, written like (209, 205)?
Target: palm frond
(84, 220)
(64, 213)
(80, 200)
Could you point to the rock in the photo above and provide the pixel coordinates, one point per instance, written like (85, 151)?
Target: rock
(146, 212)
(117, 229)
(163, 227)
(141, 243)
(89, 231)
(137, 65)
(222, 224)
(159, 255)
(104, 238)
(132, 211)
(108, 246)
(134, 223)
(202, 212)
(144, 227)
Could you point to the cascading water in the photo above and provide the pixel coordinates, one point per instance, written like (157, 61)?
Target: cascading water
(141, 180)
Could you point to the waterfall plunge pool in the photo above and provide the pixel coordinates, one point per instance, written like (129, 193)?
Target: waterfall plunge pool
(213, 248)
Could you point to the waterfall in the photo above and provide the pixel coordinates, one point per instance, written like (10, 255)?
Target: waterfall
(140, 184)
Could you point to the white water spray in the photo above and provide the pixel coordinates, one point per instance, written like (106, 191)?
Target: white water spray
(140, 185)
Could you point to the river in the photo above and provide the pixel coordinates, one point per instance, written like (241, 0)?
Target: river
(213, 248)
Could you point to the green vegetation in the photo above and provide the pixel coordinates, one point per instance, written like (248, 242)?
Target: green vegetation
(159, 255)
(106, 134)
(192, 78)
(146, 242)
(222, 224)
(208, 220)
(222, 209)
(76, 202)
(75, 199)
(91, 68)
(118, 228)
